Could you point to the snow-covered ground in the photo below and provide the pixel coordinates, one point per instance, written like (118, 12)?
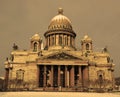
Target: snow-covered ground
(57, 94)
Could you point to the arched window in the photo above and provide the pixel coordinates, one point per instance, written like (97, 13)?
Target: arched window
(100, 77)
(100, 74)
(108, 59)
(87, 46)
(60, 40)
(100, 80)
(35, 47)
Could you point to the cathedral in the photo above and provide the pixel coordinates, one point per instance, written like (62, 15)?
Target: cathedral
(59, 65)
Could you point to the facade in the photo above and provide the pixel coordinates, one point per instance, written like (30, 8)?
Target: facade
(59, 65)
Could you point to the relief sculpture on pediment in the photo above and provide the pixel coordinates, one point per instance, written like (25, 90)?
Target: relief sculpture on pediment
(62, 56)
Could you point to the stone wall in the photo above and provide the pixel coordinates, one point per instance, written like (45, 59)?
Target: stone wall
(94, 74)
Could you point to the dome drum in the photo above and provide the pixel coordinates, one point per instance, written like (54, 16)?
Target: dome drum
(59, 32)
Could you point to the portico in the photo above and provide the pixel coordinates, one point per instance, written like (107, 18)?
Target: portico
(62, 75)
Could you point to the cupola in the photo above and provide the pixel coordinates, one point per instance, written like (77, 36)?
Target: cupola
(60, 34)
(36, 42)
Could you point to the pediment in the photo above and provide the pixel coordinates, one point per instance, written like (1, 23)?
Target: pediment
(62, 56)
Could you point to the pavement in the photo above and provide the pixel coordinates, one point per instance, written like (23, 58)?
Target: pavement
(57, 94)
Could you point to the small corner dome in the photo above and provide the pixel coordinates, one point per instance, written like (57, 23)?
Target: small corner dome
(60, 22)
(35, 37)
(86, 37)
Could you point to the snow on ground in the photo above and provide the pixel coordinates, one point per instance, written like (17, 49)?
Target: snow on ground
(57, 94)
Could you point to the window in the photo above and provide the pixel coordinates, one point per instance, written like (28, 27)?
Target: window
(108, 59)
(71, 41)
(87, 46)
(100, 74)
(65, 40)
(52, 40)
(35, 47)
(100, 77)
(20, 74)
(60, 40)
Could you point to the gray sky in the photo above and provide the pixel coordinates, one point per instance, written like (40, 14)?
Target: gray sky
(20, 19)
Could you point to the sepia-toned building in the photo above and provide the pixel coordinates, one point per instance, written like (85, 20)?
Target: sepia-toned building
(59, 65)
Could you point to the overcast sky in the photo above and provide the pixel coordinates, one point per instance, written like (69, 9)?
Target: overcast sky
(100, 19)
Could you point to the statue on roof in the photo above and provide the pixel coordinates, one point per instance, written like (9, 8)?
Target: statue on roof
(105, 49)
(15, 47)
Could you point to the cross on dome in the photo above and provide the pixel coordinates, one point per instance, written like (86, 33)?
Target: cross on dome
(60, 11)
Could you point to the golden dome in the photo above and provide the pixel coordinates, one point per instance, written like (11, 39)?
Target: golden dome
(86, 37)
(35, 37)
(60, 22)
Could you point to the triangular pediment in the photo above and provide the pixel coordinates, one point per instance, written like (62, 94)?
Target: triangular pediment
(62, 56)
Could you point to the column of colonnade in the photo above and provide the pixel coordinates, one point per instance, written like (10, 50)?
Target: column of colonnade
(66, 80)
(80, 75)
(69, 42)
(69, 75)
(85, 77)
(44, 76)
(59, 76)
(51, 81)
